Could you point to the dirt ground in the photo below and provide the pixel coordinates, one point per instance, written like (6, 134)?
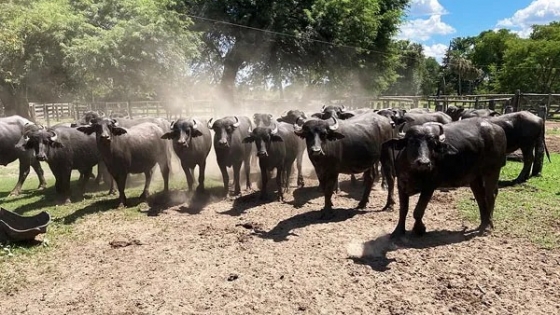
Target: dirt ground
(244, 257)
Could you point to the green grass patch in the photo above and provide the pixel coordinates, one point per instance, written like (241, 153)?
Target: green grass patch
(530, 210)
(96, 202)
(553, 131)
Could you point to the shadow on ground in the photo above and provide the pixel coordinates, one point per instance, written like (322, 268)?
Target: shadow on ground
(286, 227)
(246, 202)
(374, 252)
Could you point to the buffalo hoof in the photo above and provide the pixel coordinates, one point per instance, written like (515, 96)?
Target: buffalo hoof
(42, 187)
(112, 192)
(280, 197)
(144, 196)
(14, 193)
(485, 228)
(388, 208)
(121, 205)
(419, 228)
(300, 183)
(362, 205)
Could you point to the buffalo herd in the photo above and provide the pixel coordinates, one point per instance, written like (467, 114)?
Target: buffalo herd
(422, 150)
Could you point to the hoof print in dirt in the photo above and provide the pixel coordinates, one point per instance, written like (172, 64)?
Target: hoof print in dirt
(124, 243)
(233, 277)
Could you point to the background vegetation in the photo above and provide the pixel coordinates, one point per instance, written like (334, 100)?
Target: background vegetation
(62, 50)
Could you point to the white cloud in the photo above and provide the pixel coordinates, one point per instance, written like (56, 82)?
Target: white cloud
(436, 50)
(538, 12)
(425, 7)
(423, 29)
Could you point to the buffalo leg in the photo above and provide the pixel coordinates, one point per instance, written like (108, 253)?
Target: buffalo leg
(236, 179)
(491, 192)
(65, 186)
(288, 171)
(329, 183)
(368, 182)
(146, 191)
(539, 157)
(86, 174)
(479, 192)
(36, 165)
(24, 168)
(299, 162)
(164, 167)
(403, 211)
(188, 174)
(353, 180)
(279, 172)
(225, 178)
(387, 174)
(264, 178)
(201, 170)
(121, 185)
(528, 158)
(419, 228)
(247, 169)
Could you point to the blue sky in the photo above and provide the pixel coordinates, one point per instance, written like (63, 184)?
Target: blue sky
(433, 23)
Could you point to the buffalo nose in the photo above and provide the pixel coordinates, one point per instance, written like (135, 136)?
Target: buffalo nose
(105, 137)
(423, 163)
(42, 157)
(262, 153)
(222, 142)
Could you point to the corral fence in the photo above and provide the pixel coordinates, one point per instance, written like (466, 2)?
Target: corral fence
(542, 104)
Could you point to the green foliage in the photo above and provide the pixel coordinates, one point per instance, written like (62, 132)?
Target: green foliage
(313, 41)
(533, 64)
(410, 69)
(530, 210)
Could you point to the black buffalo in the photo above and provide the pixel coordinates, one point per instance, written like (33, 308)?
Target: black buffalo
(230, 149)
(12, 129)
(339, 112)
(277, 148)
(131, 151)
(525, 131)
(192, 143)
(414, 119)
(470, 152)
(349, 147)
(64, 149)
(458, 113)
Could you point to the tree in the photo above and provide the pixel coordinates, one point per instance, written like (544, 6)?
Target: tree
(283, 40)
(32, 39)
(410, 69)
(431, 76)
(533, 64)
(458, 67)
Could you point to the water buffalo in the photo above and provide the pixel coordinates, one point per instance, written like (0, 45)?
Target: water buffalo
(131, 151)
(458, 113)
(230, 149)
(296, 117)
(349, 147)
(468, 152)
(64, 149)
(339, 112)
(192, 143)
(524, 131)
(12, 129)
(414, 119)
(277, 148)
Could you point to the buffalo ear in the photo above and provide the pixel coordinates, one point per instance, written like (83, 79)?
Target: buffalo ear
(196, 133)
(276, 138)
(280, 119)
(345, 115)
(73, 125)
(317, 115)
(249, 139)
(494, 114)
(118, 131)
(88, 130)
(396, 144)
(333, 135)
(167, 135)
(300, 133)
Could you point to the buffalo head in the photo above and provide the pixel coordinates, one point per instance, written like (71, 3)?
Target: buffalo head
(40, 140)
(183, 130)
(224, 129)
(263, 135)
(316, 132)
(262, 120)
(423, 145)
(454, 112)
(104, 128)
(292, 117)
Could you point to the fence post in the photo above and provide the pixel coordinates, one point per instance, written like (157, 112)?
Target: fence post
(542, 111)
(492, 104)
(516, 100)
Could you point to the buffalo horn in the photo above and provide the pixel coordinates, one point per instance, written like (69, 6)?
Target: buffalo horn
(172, 124)
(323, 108)
(194, 124)
(343, 108)
(275, 130)
(284, 114)
(441, 137)
(297, 127)
(54, 137)
(210, 123)
(335, 125)
(237, 123)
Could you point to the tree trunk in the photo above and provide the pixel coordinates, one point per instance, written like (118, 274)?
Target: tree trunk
(232, 64)
(14, 100)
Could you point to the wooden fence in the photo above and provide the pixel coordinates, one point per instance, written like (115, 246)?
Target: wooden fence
(55, 112)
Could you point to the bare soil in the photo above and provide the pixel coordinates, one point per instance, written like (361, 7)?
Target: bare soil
(243, 256)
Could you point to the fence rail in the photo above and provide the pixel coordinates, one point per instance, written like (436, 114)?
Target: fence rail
(52, 112)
